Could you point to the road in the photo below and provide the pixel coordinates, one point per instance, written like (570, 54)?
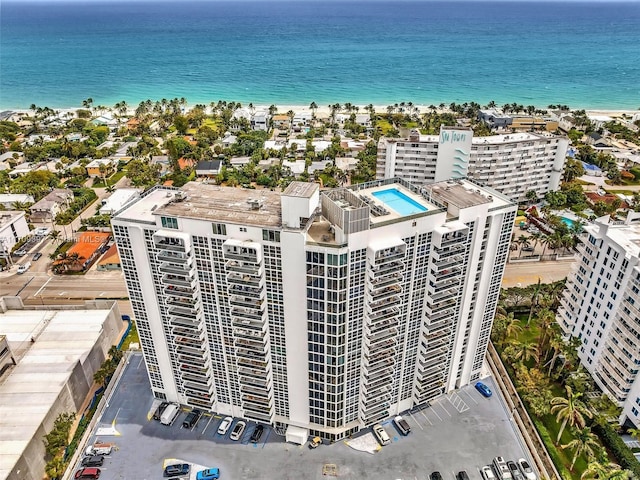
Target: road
(523, 274)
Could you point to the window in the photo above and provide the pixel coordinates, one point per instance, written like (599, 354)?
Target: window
(271, 235)
(243, 229)
(168, 222)
(219, 228)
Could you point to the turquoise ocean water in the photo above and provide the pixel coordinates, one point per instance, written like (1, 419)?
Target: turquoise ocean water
(584, 55)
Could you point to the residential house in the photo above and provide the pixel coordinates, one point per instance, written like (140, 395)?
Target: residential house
(239, 161)
(13, 227)
(608, 198)
(494, 118)
(596, 141)
(46, 209)
(363, 119)
(281, 122)
(118, 199)
(260, 120)
(8, 200)
(105, 120)
(94, 167)
(12, 157)
(229, 140)
(89, 246)
(163, 161)
(110, 260)
(208, 169)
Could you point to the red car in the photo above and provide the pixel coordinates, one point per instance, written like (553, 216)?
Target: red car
(88, 473)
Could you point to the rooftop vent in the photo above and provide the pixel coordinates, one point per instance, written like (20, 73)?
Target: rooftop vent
(255, 203)
(180, 196)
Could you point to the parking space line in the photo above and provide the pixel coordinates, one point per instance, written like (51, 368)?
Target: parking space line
(435, 413)
(445, 410)
(265, 440)
(428, 420)
(414, 419)
(469, 395)
(207, 425)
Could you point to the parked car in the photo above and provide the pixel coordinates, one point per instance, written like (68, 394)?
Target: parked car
(501, 468)
(93, 461)
(208, 474)
(435, 476)
(192, 419)
(381, 435)
(20, 252)
(528, 248)
(177, 469)
(315, 442)
(224, 426)
(526, 469)
(37, 256)
(515, 471)
(462, 475)
(157, 415)
(257, 434)
(238, 430)
(87, 473)
(483, 389)
(402, 425)
(487, 473)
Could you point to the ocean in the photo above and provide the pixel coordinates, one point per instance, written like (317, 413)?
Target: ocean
(585, 55)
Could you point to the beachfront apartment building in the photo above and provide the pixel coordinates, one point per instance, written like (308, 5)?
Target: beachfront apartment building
(512, 164)
(600, 306)
(317, 312)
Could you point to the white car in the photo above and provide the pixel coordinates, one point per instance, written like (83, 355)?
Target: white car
(487, 473)
(24, 267)
(224, 426)
(238, 430)
(526, 469)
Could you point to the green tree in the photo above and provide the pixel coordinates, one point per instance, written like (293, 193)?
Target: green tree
(608, 471)
(572, 170)
(569, 411)
(535, 389)
(181, 123)
(584, 442)
(55, 467)
(522, 351)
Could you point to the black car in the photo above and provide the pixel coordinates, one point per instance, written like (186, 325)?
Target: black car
(435, 476)
(462, 475)
(192, 418)
(177, 470)
(93, 461)
(37, 256)
(157, 415)
(257, 434)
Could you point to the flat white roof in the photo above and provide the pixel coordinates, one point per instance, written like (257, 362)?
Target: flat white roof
(29, 390)
(119, 199)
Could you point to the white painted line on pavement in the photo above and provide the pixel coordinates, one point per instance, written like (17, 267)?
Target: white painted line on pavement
(42, 287)
(61, 293)
(428, 420)
(436, 414)
(207, 425)
(469, 395)
(414, 419)
(445, 410)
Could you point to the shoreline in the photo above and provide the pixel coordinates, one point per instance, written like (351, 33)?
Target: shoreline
(321, 109)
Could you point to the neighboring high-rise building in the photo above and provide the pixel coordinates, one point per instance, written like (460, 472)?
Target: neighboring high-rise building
(324, 311)
(600, 306)
(512, 164)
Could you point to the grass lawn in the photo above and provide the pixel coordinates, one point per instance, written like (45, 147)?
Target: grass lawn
(132, 337)
(385, 126)
(112, 180)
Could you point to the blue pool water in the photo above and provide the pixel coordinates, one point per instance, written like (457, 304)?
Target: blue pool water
(399, 202)
(568, 221)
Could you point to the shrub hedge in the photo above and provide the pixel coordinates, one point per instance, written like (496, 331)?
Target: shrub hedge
(613, 442)
(551, 448)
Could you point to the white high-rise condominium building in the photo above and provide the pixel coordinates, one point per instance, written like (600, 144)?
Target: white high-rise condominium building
(325, 311)
(600, 306)
(512, 164)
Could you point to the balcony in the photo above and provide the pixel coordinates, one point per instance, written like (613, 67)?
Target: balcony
(202, 380)
(244, 301)
(381, 340)
(259, 363)
(379, 283)
(384, 268)
(194, 363)
(175, 258)
(258, 415)
(389, 254)
(179, 281)
(172, 268)
(383, 314)
(256, 391)
(253, 381)
(258, 327)
(248, 313)
(243, 267)
(390, 292)
(245, 280)
(171, 246)
(240, 253)
(190, 324)
(186, 293)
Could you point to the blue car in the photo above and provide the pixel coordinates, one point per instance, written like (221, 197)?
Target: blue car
(483, 389)
(209, 474)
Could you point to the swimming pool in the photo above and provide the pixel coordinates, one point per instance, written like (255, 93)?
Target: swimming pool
(567, 221)
(399, 202)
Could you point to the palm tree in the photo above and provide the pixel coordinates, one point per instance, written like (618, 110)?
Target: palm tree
(55, 235)
(584, 442)
(522, 351)
(534, 300)
(570, 411)
(609, 471)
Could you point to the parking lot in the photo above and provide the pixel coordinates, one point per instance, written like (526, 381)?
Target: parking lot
(463, 431)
